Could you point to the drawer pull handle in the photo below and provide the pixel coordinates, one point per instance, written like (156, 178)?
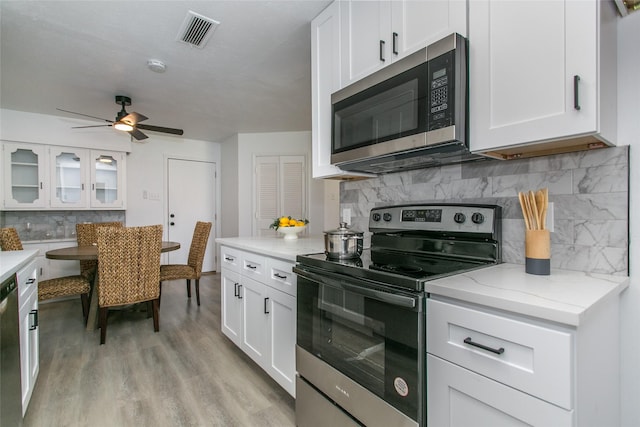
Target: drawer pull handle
(280, 276)
(253, 267)
(228, 258)
(30, 281)
(484, 347)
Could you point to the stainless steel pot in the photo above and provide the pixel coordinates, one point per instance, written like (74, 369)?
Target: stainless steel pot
(343, 243)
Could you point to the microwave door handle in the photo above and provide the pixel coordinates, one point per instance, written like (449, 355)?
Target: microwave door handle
(386, 297)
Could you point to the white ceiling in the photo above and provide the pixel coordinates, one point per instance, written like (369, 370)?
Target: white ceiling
(254, 75)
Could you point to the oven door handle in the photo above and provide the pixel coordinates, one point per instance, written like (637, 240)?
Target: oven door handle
(386, 297)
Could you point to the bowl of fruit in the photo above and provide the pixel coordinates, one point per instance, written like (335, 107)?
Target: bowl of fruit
(289, 226)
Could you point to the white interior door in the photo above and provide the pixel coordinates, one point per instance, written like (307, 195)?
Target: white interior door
(191, 198)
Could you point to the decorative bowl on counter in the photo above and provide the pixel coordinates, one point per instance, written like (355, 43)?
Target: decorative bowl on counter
(291, 233)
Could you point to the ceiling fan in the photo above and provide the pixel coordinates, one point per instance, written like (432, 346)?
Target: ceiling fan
(127, 122)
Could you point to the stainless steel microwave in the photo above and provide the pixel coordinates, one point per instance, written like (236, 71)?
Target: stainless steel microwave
(410, 114)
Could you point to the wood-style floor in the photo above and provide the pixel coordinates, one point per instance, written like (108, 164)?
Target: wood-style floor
(188, 374)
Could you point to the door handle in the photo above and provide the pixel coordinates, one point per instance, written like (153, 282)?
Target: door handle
(266, 300)
(395, 43)
(172, 223)
(576, 96)
(382, 50)
(239, 291)
(172, 216)
(235, 290)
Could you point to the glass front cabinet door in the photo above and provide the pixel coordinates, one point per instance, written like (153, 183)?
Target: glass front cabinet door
(107, 179)
(24, 176)
(69, 177)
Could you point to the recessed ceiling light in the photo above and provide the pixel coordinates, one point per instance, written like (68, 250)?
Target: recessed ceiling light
(156, 65)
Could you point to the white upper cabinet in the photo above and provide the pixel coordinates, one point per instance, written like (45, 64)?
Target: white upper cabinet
(107, 179)
(50, 177)
(68, 177)
(377, 33)
(541, 72)
(25, 183)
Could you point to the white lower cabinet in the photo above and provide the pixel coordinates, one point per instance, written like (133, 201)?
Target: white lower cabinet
(492, 368)
(259, 311)
(29, 335)
(459, 397)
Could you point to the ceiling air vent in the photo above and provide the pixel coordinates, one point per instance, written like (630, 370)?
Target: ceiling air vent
(196, 30)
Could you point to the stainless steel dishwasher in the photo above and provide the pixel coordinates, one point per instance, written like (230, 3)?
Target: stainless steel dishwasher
(10, 385)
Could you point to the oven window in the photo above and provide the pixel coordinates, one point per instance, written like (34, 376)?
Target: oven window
(372, 342)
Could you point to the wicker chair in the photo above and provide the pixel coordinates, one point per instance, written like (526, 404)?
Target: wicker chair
(9, 239)
(86, 235)
(51, 288)
(193, 269)
(129, 269)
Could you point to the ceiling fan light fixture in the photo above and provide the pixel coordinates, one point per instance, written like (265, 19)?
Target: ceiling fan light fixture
(123, 126)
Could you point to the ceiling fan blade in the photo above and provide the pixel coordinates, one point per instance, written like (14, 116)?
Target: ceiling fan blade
(161, 129)
(86, 115)
(133, 118)
(137, 134)
(92, 126)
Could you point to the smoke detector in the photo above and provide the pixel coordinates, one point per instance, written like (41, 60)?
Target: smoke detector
(156, 65)
(196, 29)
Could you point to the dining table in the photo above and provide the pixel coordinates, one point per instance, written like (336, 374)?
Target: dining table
(90, 252)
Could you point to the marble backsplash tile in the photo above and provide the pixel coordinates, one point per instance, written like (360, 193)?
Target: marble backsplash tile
(589, 190)
(50, 225)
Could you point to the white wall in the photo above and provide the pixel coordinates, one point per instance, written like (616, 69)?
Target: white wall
(629, 134)
(272, 143)
(229, 194)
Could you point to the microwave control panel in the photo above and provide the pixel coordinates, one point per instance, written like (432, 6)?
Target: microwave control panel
(441, 91)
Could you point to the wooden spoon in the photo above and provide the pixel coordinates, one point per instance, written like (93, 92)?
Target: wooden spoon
(534, 211)
(525, 214)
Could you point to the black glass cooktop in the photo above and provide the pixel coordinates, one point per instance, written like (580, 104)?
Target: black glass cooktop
(388, 267)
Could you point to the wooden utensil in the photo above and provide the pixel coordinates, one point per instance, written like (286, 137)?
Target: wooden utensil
(534, 211)
(525, 213)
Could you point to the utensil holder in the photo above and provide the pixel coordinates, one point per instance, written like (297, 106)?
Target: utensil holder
(537, 252)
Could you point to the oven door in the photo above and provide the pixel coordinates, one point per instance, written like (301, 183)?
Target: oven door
(366, 332)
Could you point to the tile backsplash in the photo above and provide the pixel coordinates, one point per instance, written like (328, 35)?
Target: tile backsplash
(589, 191)
(53, 225)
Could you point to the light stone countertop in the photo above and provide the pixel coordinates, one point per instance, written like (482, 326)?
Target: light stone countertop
(564, 296)
(12, 261)
(276, 247)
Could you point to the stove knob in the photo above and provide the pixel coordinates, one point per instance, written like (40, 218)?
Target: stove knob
(477, 218)
(375, 217)
(459, 218)
(386, 216)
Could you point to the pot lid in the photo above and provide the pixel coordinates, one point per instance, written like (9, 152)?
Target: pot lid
(343, 230)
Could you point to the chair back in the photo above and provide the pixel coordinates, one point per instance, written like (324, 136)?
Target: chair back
(86, 235)
(199, 246)
(9, 239)
(128, 264)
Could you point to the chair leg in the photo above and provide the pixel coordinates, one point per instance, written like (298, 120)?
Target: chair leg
(188, 288)
(156, 314)
(198, 290)
(103, 324)
(160, 295)
(150, 308)
(84, 298)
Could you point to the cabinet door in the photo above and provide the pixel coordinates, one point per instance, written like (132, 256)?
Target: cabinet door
(461, 398)
(69, 177)
(24, 176)
(366, 38)
(231, 310)
(29, 347)
(281, 318)
(254, 325)
(416, 24)
(107, 179)
(522, 78)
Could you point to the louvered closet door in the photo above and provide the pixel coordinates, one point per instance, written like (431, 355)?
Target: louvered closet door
(279, 189)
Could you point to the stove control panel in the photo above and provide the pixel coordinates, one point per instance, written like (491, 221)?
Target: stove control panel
(432, 217)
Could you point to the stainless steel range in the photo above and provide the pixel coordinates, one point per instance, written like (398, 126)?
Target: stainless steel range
(360, 350)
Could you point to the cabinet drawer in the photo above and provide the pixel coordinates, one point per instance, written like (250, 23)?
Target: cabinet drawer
(535, 359)
(280, 276)
(230, 259)
(27, 282)
(253, 265)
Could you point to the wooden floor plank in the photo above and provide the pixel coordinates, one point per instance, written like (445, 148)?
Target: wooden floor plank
(188, 374)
